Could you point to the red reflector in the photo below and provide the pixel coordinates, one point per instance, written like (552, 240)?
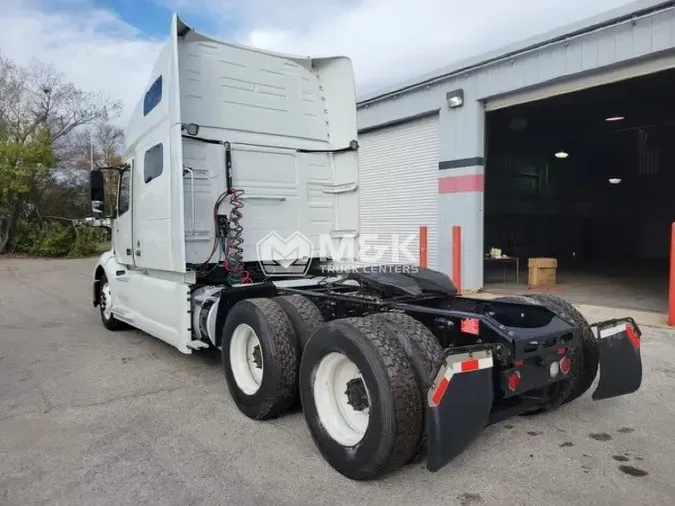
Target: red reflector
(469, 365)
(565, 365)
(470, 326)
(440, 391)
(561, 351)
(519, 363)
(514, 380)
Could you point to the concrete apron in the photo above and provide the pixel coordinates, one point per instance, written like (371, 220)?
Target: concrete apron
(600, 313)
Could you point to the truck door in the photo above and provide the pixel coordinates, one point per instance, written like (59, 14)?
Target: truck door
(153, 223)
(123, 230)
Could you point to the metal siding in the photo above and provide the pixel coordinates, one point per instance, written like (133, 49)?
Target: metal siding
(465, 210)
(398, 184)
(584, 81)
(409, 105)
(462, 131)
(617, 45)
(614, 45)
(630, 11)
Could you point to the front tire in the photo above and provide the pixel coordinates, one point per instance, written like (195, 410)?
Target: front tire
(105, 306)
(260, 358)
(360, 398)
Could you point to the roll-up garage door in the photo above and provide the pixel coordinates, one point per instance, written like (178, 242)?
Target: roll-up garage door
(398, 186)
(577, 84)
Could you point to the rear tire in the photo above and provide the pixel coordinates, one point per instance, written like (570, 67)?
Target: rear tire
(558, 391)
(426, 350)
(518, 299)
(360, 398)
(105, 307)
(586, 358)
(260, 358)
(304, 315)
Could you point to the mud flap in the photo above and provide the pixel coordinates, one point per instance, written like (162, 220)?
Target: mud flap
(620, 361)
(458, 405)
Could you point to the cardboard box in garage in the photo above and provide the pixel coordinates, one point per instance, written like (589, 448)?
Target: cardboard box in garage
(542, 271)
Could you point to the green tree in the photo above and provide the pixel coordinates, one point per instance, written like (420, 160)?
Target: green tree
(21, 160)
(40, 115)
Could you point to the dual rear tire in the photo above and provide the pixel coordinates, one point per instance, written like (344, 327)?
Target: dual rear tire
(260, 358)
(584, 353)
(362, 396)
(586, 350)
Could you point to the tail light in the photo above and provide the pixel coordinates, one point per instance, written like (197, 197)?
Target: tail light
(513, 381)
(565, 365)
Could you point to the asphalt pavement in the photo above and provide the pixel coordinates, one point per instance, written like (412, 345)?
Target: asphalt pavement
(89, 416)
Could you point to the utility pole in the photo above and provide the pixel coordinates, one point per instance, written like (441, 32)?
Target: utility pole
(91, 150)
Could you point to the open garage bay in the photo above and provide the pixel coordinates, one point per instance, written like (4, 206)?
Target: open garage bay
(587, 178)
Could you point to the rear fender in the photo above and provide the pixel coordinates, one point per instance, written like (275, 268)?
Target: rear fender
(620, 360)
(458, 404)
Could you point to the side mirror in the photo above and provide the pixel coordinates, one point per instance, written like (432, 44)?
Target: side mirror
(96, 191)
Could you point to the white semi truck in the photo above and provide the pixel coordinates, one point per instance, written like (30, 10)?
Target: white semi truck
(231, 148)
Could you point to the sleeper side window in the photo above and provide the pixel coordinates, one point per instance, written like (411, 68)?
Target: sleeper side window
(153, 164)
(153, 96)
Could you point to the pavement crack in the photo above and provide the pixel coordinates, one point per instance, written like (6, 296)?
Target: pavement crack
(128, 397)
(57, 409)
(46, 405)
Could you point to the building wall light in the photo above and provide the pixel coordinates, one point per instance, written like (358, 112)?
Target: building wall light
(455, 98)
(562, 154)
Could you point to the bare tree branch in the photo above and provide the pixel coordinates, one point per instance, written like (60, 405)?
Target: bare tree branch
(43, 118)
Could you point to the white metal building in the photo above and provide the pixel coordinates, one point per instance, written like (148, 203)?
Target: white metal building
(422, 154)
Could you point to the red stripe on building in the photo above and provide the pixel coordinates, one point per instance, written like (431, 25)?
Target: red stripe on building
(462, 184)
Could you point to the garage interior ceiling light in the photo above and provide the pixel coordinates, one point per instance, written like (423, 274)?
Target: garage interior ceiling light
(615, 118)
(614, 180)
(562, 154)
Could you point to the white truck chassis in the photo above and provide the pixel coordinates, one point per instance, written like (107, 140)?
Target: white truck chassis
(230, 144)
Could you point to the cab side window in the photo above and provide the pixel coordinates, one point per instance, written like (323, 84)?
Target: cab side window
(124, 194)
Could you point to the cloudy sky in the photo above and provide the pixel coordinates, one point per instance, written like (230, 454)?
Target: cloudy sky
(111, 45)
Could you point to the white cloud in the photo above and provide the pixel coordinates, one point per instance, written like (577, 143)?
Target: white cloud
(93, 47)
(388, 40)
(391, 40)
